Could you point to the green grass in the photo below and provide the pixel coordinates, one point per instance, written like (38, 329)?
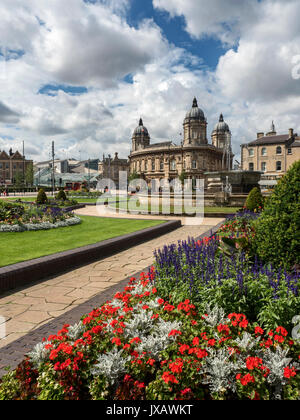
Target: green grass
(18, 247)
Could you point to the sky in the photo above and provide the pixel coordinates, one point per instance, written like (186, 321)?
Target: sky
(82, 72)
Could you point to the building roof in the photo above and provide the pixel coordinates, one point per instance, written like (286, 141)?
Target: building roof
(195, 113)
(141, 129)
(221, 126)
(281, 139)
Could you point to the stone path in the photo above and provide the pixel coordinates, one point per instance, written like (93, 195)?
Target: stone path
(29, 308)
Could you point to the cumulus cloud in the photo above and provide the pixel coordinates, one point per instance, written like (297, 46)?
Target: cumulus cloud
(224, 20)
(7, 115)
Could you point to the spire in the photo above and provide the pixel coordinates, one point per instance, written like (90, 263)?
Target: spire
(141, 122)
(221, 119)
(195, 104)
(273, 127)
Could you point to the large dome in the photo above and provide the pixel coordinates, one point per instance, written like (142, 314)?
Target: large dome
(195, 113)
(221, 126)
(141, 130)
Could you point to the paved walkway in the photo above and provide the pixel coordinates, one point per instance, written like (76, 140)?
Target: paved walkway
(29, 308)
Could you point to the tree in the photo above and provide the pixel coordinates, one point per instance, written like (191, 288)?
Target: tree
(29, 174)
(134, 175)
(277, 237)
(255, 200)
(19, 180)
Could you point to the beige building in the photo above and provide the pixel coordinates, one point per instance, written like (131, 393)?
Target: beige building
(11, 164)
(194, 156)
(109, 168)
(271, 154)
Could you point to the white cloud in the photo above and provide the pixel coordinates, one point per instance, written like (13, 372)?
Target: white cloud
(218, 18)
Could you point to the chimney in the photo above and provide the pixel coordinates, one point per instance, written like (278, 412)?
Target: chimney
(291, 132)
(116, 156)
(259, 135)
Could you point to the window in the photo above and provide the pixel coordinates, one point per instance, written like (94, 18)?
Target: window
(173, 165)
(264, 151)
(251, 152)
(161, 165)
(278, 166)
(146, 165)
(289, 151)
(278, 150)
(194, 164)
(263, 166)
(251, 166)
(153, 165)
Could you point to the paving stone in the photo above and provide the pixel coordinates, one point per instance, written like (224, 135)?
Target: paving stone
(34, 317)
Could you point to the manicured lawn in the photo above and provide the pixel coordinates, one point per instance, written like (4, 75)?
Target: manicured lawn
(17, 247)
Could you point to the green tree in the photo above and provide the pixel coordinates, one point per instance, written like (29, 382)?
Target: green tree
(29, 174)
(277, 237)
(134, 175)
(41, 197)
(255, 200)
(19, 180)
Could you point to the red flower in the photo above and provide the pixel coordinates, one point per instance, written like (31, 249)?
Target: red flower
(259, 330)
(289, 372)
(253, 362)
(196, 341)
(116, 341)
(174, 332)
(168, 377)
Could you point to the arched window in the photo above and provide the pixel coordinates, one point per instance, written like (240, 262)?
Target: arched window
(278, 150)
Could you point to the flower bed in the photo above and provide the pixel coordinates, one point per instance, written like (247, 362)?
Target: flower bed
(20, 218)
(71, 221)
(140, 346)
(204, 273)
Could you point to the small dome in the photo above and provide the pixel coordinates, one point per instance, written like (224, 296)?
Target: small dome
(141, 130)
(221, 125)
(195, 113)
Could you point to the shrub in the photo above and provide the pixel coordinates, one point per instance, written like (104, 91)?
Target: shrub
(41, 197)
(254, 200)
(61, 195)
(277, 230)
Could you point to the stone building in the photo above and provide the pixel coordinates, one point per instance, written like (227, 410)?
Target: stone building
(272, 154)
(109, 168)
(11, 165)
(194, 156)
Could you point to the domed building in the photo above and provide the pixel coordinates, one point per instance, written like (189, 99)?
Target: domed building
(194, 156)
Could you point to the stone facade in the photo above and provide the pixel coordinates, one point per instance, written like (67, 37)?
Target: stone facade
(271, 154)
(11, 164)
(109, 168)
(194, 156)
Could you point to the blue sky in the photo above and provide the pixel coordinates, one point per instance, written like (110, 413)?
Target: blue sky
(82, 73)
(208, 49)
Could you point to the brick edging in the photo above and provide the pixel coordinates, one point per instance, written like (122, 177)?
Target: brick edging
(13, 353)
(18, 275)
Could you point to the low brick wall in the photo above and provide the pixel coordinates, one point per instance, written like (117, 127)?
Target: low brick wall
(20, 274)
